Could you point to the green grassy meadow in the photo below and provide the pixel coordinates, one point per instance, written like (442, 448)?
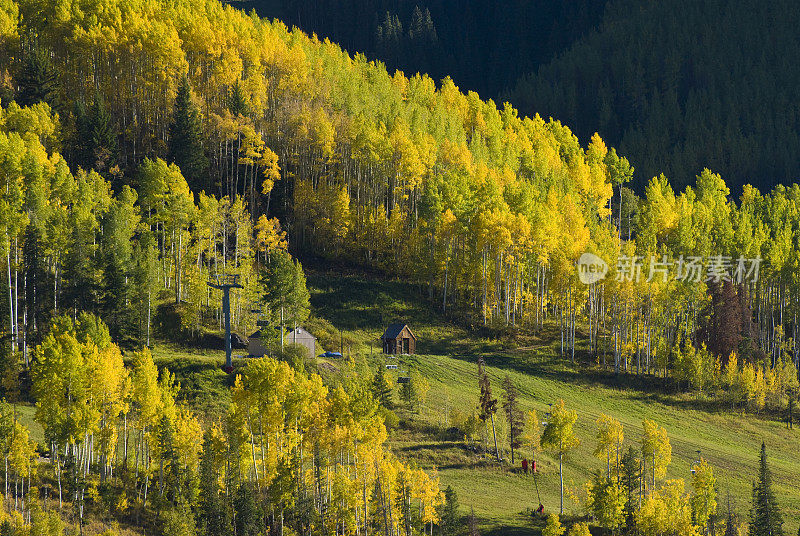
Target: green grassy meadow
(500, 496)
(349, 312)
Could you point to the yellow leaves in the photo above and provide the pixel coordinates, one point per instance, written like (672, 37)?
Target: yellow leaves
(666, 510)
(400, 81)
(609, 436)
(111, 390)
(9, 19)
(145, 393)
(407, 161)
(559, 433)
(188, 437)
(448, 223)
(656, 448)
(579, 529)
(457, 157)
(532, 431)
(269, 236)
(22, 450)
(327, 209)
(270, 170)
(553, 526)
(36, 121)
(704, 498)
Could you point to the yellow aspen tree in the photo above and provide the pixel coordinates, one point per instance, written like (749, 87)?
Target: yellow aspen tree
(560, 437)
(704, 496)
(553, 527)
(609, 441)
(531, 435)
(656, 451)
(110, 390)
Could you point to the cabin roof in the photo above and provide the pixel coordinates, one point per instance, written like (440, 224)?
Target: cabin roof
(394, 330)
(300, 331)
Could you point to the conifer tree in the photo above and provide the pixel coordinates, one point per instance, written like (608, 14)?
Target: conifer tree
(381, 390)
(514, 415)
(631, 476)
(730, 524)
(236, 100)
(449, 513)
(36, 284)
(248, 513)
(284, 291)
(765, 516)
(473, 524)
(94, 144)
(186, 139)
(38, 80)
(119, 226)
(487, 405)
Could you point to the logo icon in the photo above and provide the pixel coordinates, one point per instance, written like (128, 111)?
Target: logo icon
(591, 268)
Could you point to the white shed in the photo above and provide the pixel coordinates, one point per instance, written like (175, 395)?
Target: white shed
(256, 346)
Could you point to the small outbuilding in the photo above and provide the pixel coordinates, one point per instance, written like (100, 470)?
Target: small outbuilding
(399, 339)
(257, 347)
(302, 337)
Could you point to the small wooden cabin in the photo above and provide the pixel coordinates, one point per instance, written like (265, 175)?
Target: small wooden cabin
(399, 339)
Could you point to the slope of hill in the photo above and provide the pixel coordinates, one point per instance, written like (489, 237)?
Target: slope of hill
(484, 210)
(682, 85)
(353, 310)
(502, 499)
(483, 46)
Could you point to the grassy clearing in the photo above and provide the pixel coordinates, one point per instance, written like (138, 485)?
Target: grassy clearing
(204, 385)
(729, 441)
(361, 308)
(351, 311)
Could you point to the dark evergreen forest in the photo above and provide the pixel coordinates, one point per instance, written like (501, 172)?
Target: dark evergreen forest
(483, 46)
(682, 85)
(676, 85)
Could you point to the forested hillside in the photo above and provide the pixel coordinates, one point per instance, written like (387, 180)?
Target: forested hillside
(150, 146)
(483, 46)
(678, 86)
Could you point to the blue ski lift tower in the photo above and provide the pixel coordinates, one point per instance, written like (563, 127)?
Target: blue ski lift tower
(225, 283)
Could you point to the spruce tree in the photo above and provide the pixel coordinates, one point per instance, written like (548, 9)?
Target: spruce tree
(186, 139)
(284, 291)
(765, 517)
(94, 143)
(248, 513)
(515, 417)
(38, 81)
(487, 405)
(236, 101)
(213, 516)
(37, 285)
(473, 524)
(449, 514)
(103, 137)
(631, 475)
(381, 390)
(730, 523)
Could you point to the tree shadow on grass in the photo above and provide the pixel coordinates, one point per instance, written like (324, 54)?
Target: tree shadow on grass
(507, 530)
(353, 301)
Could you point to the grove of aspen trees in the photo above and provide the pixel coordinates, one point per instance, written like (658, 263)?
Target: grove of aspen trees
(147, 146)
